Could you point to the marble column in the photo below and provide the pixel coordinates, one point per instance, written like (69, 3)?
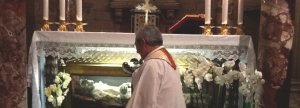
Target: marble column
(13, 56)
(274, 45)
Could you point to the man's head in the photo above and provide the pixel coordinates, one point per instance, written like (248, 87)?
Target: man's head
(147, 39)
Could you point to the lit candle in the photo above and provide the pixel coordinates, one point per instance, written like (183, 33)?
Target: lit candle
(46, 10)
(79, 10)
(146, 17)
(207, 11)
(62, 10)
(240, 12)
(225, 12)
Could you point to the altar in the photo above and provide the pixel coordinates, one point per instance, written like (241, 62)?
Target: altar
(110, 49)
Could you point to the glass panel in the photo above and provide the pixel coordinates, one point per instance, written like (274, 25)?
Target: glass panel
(100, 91)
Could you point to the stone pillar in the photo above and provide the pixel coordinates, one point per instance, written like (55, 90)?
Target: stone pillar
(13, 56)
(296, 45)
(274, 45)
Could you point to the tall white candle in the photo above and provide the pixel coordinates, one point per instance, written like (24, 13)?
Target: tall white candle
(225, 12)
(62, 11)
(146, 17)
(79, 10)
(240, 12)
(46, 9)
(207, 11)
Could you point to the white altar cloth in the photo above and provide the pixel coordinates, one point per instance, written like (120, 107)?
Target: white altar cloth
(70, 44)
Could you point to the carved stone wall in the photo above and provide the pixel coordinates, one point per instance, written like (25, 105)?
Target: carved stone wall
(13, 57)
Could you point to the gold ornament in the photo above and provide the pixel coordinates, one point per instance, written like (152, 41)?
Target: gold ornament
(46, 26)
(239, 30)
(224, 30)
(207, 30)
(79, 27)
(62, 26)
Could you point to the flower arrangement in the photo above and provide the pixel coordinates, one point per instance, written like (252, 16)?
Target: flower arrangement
(203, 69)
(56, 92)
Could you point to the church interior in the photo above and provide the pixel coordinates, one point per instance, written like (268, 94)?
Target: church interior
(230, 53)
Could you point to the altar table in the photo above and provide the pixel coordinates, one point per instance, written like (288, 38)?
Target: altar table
(73, 44)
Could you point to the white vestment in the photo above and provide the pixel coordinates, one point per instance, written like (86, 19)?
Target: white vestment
(156, 84)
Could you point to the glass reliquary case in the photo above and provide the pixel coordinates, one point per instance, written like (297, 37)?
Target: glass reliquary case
(101, 72)
(102, 78)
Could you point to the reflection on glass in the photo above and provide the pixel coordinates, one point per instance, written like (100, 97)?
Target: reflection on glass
(107, 90)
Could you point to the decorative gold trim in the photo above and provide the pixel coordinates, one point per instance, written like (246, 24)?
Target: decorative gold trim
(224, 30)
(46, 26)
(207, 30)
(95, 70)
(199, 15)
(239, 30)
(62, 26)
(79, 27)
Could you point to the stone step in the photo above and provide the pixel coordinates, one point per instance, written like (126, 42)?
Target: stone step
(295, 86)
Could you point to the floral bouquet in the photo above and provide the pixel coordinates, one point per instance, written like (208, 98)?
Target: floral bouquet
(223, 74)
(56, 92)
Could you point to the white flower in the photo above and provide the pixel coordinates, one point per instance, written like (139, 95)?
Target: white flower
(228, 64)
(253, 79)
(182, 71)
(198, 81)
(219, 80)
(53, 87)
(258, 73)
(58, 92)
(208, 77)
(66, 75)
(188, 80)
(48, 91)
(66, 92)
(65, 84)
(262, 81)
(242, 67)
(244, 91)
(193, 66)
(61, 74)
(57, 80)
(52, 100)
(242, 76)
(218, 71)
(60, 100)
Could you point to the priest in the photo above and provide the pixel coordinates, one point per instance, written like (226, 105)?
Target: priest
(156, 83)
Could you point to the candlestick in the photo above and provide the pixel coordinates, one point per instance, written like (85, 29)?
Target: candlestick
(240, 12)
(46, 10)
(239, 30)
(79, 10)
(207, 30)
(224, 30)
(225, 12)
(62, 26)
(79, 27)
(46, 26)
(207, 11)
(62, 11)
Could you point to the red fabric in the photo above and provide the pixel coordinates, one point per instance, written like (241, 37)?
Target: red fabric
(181, 22)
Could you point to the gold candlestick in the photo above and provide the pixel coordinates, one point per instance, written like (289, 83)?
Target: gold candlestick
(62, 26)
(79, 27)
(224, 30)
(239, 30)
(207, 30)
(46, 26)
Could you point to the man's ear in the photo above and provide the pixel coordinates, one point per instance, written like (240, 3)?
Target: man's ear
(143, 42)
